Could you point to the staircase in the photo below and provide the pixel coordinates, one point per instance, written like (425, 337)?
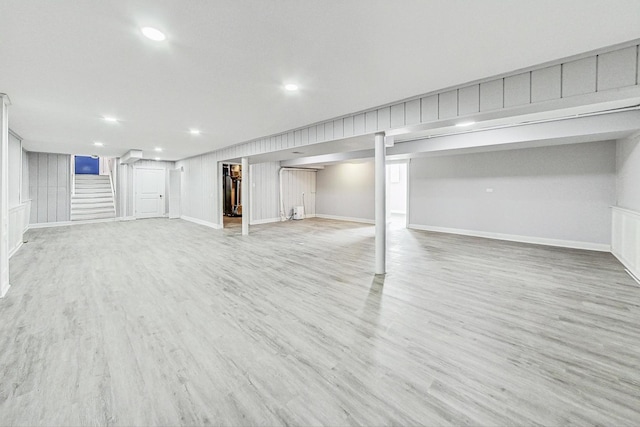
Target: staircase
(92, 199)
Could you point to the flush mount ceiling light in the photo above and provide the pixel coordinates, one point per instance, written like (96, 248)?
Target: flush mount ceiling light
(98, 144)
(158, 149)
(110, 119)
(465, 124)
(194, 132)
(291, 87)
(153, 34)
(157, 158)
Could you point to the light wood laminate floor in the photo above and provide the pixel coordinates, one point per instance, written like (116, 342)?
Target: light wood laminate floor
(165, 322)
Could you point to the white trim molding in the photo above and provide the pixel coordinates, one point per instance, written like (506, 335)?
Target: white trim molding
(201, 222)
(572, 244)
(66, 223)
(625, 238)
(346, 218)
(264, 221)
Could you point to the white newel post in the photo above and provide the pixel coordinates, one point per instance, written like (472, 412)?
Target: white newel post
(381, 204)
(4, 198)
(246, 203)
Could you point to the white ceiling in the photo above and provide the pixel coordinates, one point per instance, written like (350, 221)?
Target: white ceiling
(65, 64)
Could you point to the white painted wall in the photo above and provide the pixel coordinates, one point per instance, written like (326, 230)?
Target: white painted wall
(562, 192)
(200, 189)
(49, 187)
(346, 190)
(628, 173)
(397, 188)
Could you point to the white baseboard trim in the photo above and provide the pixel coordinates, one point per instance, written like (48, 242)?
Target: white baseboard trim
(201, 222)
(126, 218)
(264, 221)
(601, 247)
(4, 290)
(66, 223)
(16, 249)
(346, 218)
(635, 275)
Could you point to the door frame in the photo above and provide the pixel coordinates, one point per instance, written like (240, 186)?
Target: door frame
(135, 189)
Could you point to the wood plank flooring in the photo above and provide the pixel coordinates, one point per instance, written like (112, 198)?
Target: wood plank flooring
(165, 322)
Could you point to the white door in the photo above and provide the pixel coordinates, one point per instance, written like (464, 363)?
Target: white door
(150, 192)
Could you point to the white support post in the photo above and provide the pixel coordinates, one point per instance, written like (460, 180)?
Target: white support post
(4, 196)
(246, 203)
(381, 203)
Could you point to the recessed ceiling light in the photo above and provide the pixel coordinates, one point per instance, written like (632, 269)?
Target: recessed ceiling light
(465, 124)
(110, 119)
(194, 132)
(157, 158)
(291, 87)
(158, 149)
(153, 34)
(98, 144)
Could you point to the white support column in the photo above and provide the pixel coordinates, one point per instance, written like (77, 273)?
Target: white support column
(246, 203)
(381, 203)
(4, 197)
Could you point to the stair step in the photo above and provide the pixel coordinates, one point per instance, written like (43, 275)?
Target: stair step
(89, 200)
(85, 207)
(95, 210)
(93, 185)
(91, 195)
(83, 217)
(92, 190)
(89, 177)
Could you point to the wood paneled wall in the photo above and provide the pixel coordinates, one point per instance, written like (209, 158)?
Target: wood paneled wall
(299, 189)
(605, 75)
(265, 198)
(49, 187)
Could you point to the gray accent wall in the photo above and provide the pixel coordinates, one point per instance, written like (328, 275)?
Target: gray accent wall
(49, 187)
(628, 173)
(299, 189)
(347, 190)
(265, 189)
(561, 192)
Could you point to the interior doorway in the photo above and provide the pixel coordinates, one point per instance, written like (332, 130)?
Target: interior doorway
(231, 195)
(149, 192)
(397, 194)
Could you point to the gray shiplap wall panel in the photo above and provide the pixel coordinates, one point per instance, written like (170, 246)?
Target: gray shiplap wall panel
(617, 69)
(492, 95)
(371, 121)
(305, 136)
(517, 90)
(469, 100)
(290, 140)
(384, 118)
(297, 138)
(25, 177)
(429, 108)
(448, 104)
(546, 84)
(397, 115)
(328, 131)
(338, 128)
(358, 124)
(50, 187)
(412, 112)
(348, 126)
(294, 183)
(313, 135)
(579, 77)
(320, 132)
(264, 191)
